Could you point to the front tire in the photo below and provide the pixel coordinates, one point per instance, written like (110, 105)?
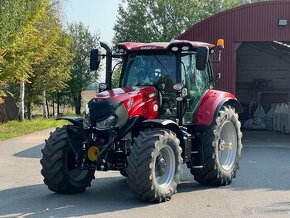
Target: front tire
(154, 165)
(221, 150)
(59, 162)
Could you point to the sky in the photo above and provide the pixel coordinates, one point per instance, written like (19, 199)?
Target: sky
(98, 15)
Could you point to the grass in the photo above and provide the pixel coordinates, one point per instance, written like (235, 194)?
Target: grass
(15, 128)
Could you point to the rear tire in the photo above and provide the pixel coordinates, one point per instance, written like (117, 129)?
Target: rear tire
(154, 165)
(221, 150)
(58, 162)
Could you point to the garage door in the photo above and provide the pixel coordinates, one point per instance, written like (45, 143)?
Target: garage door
(263, 78)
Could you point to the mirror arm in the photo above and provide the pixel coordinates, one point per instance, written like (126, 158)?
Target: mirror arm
(219, 58)
(117, 56)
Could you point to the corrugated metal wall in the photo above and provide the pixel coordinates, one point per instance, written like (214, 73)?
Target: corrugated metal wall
(247, 23)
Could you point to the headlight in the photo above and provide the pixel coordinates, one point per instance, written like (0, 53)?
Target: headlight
(107, 123)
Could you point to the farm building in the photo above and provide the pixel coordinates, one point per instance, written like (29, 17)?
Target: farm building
(256, 59)
(8, 109)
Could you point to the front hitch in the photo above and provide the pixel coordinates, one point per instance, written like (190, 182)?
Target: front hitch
(95, 152)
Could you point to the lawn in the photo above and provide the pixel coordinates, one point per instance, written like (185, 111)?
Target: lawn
(15, 128)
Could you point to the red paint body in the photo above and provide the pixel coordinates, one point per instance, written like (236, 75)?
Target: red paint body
(142, 101)
(135, 46)
(209, 103)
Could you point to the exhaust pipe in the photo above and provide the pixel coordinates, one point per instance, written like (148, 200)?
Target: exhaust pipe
(108, 64)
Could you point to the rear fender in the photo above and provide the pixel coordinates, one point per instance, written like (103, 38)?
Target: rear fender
(77, 121)
(211, 104)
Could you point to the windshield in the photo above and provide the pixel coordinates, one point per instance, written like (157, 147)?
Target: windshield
(151, 69)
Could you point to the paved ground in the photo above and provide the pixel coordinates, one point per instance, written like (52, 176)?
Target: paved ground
(262, 187)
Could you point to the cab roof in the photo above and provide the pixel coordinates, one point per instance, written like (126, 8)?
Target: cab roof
(137, 46)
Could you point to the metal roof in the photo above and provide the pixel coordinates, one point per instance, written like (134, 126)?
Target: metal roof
(135, 46)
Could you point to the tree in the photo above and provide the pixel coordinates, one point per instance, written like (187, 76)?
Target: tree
(15, 17)
(52, 72)
(81, 76)
(20, 45)
(116, 77)
(35, 51)
(159, 20)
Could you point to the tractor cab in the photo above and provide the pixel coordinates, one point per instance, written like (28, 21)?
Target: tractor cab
(163, 65)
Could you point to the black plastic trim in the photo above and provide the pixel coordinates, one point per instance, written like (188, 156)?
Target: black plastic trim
(78, 121)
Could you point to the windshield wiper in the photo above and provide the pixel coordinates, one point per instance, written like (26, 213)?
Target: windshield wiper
(144, 84)
(161, 64)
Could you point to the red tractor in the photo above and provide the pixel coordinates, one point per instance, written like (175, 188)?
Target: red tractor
(166, 113)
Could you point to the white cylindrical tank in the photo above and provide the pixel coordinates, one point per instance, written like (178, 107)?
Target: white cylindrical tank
(288, 118)
(269, 119)
(283, 118)
(277, 118)
(275, 112)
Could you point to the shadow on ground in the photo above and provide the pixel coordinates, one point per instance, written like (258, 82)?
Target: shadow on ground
(106, 195)
(34, 152)
(260, 168)
(111, 194)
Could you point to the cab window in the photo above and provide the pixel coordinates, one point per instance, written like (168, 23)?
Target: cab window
(196, 82)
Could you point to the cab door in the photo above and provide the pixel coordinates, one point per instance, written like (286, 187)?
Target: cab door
(197, 83)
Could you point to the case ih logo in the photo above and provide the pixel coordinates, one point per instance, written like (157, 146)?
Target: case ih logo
(130, 103)
(148, 47)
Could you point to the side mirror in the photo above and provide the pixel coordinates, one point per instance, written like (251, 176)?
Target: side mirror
(202, 58)
(178, 87)
(103, 87)
(95, 59)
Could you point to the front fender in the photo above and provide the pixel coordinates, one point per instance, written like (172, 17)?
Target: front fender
(210, 105)
(78, 121)
(161, 123)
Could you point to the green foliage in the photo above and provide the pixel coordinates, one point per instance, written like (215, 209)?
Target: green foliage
(19, 37)
(33, 48)
(81, 76)
(159, 20)
(153, 20)
(15, 128)
(15, 15)
(53, 69)
(116, 78)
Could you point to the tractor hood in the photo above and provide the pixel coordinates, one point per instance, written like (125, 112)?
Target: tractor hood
(123, 94)
(136, 101)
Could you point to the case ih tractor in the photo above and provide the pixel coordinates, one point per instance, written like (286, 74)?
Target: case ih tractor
(166, 113)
